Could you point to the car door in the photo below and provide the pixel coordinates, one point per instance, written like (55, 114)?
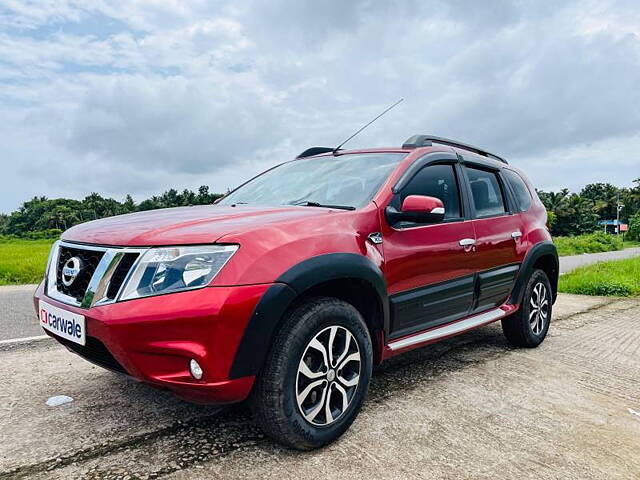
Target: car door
(498, 233)
(429, 267)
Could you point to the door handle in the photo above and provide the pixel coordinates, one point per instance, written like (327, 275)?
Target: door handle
(467, 242)
(517, 234)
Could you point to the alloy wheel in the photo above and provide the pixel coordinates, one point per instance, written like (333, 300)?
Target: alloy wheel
(328, 375)
(539, 311)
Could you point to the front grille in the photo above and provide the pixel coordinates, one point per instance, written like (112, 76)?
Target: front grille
(95, 352)
(120, 273)
(101, 276)
(89, 260)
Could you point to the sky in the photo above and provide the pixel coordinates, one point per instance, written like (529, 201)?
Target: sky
(141, 96)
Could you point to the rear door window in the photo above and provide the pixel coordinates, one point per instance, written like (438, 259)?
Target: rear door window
(486, 192)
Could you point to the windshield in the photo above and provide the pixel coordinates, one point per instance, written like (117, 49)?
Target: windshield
(339, 181)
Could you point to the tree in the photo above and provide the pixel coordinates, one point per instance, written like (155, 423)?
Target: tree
(571, 214)
(206, 198)
(634, 227)
(129, 205)
(630, 198)
(604, 197)
(553, 200)
(42, 214)
(581, 217)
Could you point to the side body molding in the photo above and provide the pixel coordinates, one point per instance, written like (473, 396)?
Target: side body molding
(543, 249)
(263, 324)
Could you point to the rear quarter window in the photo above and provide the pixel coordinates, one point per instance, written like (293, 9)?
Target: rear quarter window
(520, 190)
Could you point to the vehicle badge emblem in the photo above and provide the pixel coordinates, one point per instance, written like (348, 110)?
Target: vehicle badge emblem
(70, 271)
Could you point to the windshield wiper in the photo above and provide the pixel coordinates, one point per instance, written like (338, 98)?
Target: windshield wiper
(306, 203)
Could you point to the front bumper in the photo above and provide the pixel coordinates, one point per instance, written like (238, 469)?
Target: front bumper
(154, 338)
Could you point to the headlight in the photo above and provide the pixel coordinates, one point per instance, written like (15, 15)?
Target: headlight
(172, 269)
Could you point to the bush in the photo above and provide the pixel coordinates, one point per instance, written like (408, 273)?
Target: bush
(603, 288)
(634, 228)
(590, 243)
(551, 219)
(51, 234)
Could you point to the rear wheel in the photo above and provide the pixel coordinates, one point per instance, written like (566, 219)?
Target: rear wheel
(316, 375)
(528, 327)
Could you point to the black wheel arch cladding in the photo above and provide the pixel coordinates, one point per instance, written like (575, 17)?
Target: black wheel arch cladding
(548, 253)
(270, 310)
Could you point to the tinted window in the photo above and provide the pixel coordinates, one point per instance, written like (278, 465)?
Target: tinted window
(437, 181)
(523, 196)
(486, 192)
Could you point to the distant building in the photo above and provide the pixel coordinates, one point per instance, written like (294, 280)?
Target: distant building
(609, 226)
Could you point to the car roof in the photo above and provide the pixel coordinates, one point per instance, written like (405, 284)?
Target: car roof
(421, 151)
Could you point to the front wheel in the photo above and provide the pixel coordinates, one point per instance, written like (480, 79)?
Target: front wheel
(316, 375)
(528, 327)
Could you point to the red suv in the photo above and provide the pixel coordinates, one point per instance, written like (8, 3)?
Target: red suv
(292, 287)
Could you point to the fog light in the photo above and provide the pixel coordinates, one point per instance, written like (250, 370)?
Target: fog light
(196, 369)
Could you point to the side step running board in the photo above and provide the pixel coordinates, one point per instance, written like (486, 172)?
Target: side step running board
(449, 329)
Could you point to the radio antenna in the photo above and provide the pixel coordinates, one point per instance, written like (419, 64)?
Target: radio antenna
(335, 150)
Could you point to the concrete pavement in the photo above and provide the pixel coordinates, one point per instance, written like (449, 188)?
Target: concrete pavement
(469, 407)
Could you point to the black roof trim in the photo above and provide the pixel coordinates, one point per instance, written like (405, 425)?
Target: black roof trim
(426, 141)
(309, 152)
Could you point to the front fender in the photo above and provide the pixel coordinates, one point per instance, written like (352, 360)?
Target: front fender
(268, 314)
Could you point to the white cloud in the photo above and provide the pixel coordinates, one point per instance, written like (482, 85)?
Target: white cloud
(119, 97)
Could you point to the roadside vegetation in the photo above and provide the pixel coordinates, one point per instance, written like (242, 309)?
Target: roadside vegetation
(588, 243)
(23, 261)
(578, 213)
(42, 216)
(620, 278)
(570, 214)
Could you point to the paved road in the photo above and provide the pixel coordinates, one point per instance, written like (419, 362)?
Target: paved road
(574, 261)
(469, 407)
(19, 317)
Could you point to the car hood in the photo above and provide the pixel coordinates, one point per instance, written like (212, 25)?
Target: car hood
(183, 225)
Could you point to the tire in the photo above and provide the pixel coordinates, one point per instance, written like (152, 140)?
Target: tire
(284, 379)
(528, 327)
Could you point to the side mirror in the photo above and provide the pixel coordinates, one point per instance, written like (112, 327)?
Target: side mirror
(418, 209)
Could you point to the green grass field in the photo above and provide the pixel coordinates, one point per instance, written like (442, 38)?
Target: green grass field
(619, 278)
(631, 244)
(23, 261)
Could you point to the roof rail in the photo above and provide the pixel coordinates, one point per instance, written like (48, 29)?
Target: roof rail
(426, 141)
(315, 151)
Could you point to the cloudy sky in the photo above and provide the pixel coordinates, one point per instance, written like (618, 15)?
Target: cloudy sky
(140, 96)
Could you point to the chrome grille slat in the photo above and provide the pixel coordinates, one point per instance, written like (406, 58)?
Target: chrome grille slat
(102, 266)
